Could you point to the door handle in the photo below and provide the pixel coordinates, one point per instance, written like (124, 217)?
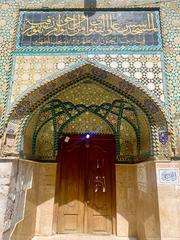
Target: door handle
(87, 203)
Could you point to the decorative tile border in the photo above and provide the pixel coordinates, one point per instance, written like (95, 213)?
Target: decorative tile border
(78, 72)
(144, 69)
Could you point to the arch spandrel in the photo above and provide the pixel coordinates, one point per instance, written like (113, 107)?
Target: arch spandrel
(61, 80)
(108, 80)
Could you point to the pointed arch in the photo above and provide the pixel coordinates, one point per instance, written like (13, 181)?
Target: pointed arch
(34, 97)
(112, 81)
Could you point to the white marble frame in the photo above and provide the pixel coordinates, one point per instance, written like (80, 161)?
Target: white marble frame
(160, 181)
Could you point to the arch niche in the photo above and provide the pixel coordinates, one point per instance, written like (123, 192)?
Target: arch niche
(120, 102)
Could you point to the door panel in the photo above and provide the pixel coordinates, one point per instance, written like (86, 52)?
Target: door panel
(100, 211)
(71, 198)
(86, 183)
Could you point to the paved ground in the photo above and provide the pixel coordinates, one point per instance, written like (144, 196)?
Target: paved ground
(80, 237)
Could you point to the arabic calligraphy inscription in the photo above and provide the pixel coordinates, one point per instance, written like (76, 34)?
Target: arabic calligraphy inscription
(76, 28)
(168, 176)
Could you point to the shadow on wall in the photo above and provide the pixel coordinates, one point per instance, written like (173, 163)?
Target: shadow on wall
(90, 4)
(136, 202)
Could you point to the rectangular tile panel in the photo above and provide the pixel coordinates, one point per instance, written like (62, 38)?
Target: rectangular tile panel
(89, 28)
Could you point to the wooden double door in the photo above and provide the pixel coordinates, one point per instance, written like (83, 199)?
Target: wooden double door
(85, 185)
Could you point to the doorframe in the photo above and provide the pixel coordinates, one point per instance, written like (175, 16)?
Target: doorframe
(58, 184)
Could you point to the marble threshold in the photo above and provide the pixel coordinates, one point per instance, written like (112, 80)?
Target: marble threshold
(81, 237)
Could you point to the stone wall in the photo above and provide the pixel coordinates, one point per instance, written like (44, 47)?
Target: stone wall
(5, 178)
(38, 210)
(46, 195)
(126, 200)
(137, 201)
(20, 180)
(146, 208)
(169, 203)
(25, 229)
(147, 218)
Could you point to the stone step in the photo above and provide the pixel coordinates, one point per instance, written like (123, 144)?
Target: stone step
(81, 237)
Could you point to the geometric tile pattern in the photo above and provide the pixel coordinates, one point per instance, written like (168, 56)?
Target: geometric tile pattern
(146, 69)
(99, 76)
(62, 113)
(29, 102)
(171, 42)
(88, 107)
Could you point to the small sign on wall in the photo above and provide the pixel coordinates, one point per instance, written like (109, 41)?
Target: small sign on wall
(168, 176)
